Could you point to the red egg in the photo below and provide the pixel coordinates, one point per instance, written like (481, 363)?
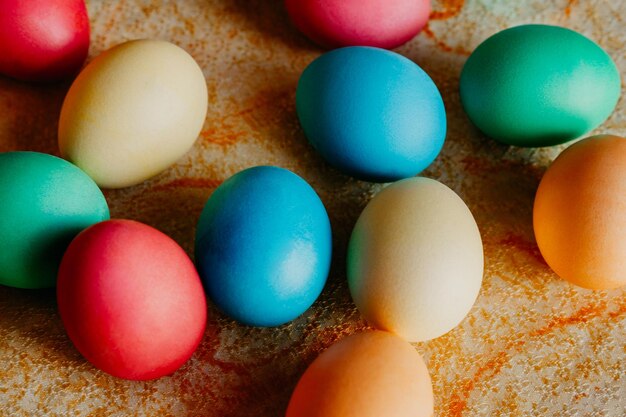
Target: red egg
(379, 23)
(131, 300)
(43, 40)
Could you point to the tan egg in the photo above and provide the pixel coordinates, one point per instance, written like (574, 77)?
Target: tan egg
(132, 112)
(415, 260)
(370, 374)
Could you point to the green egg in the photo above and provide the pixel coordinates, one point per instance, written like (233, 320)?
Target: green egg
(539, 85)
(44, 202)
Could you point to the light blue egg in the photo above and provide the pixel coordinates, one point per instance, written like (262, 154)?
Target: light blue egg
(263, 246)
(371, 113)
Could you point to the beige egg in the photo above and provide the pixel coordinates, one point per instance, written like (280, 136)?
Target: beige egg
(415, 260)
(132, 112)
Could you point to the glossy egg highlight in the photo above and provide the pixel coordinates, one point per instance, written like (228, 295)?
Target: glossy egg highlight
(369, 374)
(380, 23)
(579, 214)
(263, 246)
(43, 40)
(371, 113)
(44, 203)
(415, 260)
(131, 300)
(539, 85)
(132, 112)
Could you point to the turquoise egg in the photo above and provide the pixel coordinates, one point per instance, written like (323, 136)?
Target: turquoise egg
(539, 85)
(263, 246)
(371, 113)
(45, 202)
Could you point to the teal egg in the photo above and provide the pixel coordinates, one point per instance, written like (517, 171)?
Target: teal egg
(44, 202)
(539, 85)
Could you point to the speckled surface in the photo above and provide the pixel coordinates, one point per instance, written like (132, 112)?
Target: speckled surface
(533, 345)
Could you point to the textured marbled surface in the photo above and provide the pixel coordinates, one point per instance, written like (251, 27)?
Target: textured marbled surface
(533, 345)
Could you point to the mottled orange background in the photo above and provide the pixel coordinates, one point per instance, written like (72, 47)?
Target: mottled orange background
(533, 345)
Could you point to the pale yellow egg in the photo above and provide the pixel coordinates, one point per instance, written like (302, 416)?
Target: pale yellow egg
(132, 112)
(415, 260)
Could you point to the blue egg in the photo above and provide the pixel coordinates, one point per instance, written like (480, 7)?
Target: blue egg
(263, 246)
(371, 113)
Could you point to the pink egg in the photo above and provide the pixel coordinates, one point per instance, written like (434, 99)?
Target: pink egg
(379, 23)
(131, 300)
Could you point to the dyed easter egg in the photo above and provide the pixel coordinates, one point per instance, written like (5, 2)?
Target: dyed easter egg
(370, 374)
(580, 213)
(371, 113)
(44, 203)
(415, 260)
(380, 23)
(539, 85)
(131, 300)
(263, 246)
(132, 112)
(43, 40)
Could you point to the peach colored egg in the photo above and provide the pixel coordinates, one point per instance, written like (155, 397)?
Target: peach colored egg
(370, 374)
(580, 213)
(415, 260)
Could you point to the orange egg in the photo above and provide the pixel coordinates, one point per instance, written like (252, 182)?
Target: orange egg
(370, 374)
(580, 213)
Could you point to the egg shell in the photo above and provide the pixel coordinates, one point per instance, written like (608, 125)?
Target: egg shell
(371, 113)
(379, 23)
(415, 260)
(131, 300)
(579, 214)
(45, 203)
(370, 374)
(539, 85)
(263, 246)
(132, 112)
(43, 40)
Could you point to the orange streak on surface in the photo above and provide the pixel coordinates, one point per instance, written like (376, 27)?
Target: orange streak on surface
(450, 9)
(221, 137)
(254, 114)
(458, 401)
(442, 45)
(568, 8)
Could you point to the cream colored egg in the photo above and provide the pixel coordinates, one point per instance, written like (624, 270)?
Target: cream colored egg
(415, 260)
(132, 112)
